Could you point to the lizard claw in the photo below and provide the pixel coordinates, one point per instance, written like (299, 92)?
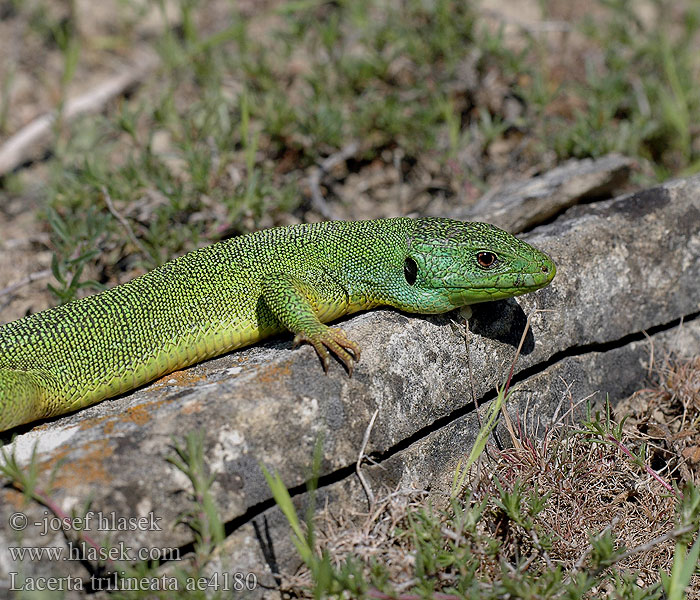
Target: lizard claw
(337, 342)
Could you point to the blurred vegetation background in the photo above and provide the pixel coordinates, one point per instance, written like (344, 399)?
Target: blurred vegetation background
(424, 103)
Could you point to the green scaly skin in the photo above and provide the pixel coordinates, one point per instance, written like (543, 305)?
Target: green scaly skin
(242, 290)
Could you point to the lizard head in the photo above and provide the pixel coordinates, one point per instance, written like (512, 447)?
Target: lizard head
(450, 264)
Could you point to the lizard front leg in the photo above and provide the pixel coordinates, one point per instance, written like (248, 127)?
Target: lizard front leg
(297, 305)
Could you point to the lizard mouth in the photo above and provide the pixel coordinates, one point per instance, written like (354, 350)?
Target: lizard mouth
(514, 281)
(504, 285)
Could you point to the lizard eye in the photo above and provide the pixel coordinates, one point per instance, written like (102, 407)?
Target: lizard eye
(486, 259)
(410, 270)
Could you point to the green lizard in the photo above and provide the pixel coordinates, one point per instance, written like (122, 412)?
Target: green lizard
(242, 290)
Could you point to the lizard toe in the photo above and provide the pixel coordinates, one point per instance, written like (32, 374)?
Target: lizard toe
(335, 340)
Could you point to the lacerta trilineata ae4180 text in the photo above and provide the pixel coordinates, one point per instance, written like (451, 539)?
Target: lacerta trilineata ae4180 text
(242, 290)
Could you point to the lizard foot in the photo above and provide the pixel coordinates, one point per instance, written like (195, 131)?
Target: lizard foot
(337, 342)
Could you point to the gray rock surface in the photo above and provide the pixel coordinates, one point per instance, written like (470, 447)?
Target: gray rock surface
(429, 460)
(625, 266)
(520, 205)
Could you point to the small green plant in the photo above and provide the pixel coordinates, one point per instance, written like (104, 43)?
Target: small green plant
(494, 409)
(68, 269)
(685, 564)
(327, 578)
(203, 519)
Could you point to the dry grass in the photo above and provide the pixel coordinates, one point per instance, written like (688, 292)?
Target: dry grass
(587, 486)
(666, 417)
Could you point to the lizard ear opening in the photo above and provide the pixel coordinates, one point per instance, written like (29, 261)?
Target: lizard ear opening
(410, 270)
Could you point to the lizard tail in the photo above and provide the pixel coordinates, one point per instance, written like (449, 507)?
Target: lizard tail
(21, 398)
